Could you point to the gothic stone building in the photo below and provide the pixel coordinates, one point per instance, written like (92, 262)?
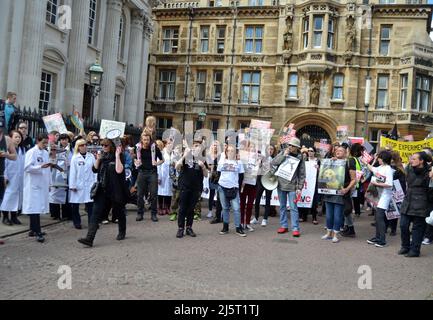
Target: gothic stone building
(48, 66)
(302, 62)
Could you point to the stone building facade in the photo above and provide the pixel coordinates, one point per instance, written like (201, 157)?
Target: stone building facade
(48, 65)
(302, 62)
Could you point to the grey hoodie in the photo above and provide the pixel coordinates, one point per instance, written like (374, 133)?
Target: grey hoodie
(298, 179)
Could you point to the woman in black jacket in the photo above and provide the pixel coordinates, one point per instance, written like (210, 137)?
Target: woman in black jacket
(112, 191)
(416, 205)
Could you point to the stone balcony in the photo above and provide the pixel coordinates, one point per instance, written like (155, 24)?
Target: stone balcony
(402, 117)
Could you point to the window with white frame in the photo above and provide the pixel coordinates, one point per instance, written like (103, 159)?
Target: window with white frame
(250, 87)
(167, 85)
(162, 124)
(293, 86)
(331, 33)
(204, 39)
(317, 31)
(214, 126)
(121, 36)
(386, 1)
(337, 92)
(92, 21)
(422, 93)
(221, 35)
(116, 107)
(305, 32)
(382, 92)
(385, 40)
(201, 85)
(51, 15)
(253, 39)
(253, 3)
(170, 40)
(45, 94)
(217, 85)
(215, 3)
(403, 91)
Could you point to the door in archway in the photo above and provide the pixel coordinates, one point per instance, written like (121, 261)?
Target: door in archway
(312, 133)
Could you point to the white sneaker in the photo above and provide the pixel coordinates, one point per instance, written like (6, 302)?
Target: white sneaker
(326, 237)
(335, 239)
(426, 241)
(249, 228)
(254, 221)
(264, 222)
(210, 214)
(105, 222)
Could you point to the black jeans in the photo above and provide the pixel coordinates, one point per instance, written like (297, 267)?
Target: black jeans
(418, 229)
(380, 225)
(211, 198)
(219, 208)
(75, 210)
(392, 224)
(259, 193)
(429, 232)
(66, 210)
(35, 223)
(101, 205)
(357, 204)
(147, 183)
(188, 201)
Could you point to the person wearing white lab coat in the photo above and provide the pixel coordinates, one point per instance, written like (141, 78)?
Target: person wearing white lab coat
(81, 180)
(59, 181)
(36, 185)
(14, 180)
(165, 183)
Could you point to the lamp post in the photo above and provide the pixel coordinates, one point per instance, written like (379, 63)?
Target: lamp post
(96, 73)
(367, 105)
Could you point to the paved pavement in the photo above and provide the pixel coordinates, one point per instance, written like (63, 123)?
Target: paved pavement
(153, 264)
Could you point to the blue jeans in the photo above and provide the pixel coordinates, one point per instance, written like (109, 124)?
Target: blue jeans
(235, 204)
(294, 214)
(334, 216)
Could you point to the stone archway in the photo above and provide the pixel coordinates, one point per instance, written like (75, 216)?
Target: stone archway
(311, 121)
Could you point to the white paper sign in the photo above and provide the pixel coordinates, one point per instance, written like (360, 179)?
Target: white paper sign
(108, 125)
(307, 194)
(288, 168)
(54, 122)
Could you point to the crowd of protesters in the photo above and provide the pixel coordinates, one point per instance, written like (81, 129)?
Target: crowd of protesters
(58, 173)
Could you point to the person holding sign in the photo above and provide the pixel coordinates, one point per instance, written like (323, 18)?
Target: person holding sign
(291, 179)
(416, 205)
(382, 179)
(335, 203)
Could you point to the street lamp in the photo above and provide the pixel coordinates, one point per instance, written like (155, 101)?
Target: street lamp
(202, 116)
(96, 73)
(367, 97)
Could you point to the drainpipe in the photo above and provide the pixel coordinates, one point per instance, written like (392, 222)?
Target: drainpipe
(188, 68)
(235, 14)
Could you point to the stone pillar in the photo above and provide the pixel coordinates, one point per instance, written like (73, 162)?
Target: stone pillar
(109, 60)
(76, 68)
(32, 53)
(144, 72)
(4, 39)
(134, 67)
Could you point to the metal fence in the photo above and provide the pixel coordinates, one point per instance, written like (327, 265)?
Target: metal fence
(36, 124)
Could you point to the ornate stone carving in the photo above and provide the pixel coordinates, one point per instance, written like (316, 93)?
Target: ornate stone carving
(350, 34)
(288, 34)
(315, 89)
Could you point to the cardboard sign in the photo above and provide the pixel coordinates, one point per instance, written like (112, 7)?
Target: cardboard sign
(108, 125)
(55, 122)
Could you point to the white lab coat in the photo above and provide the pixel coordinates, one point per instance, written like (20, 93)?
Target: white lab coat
(58, 179)
(165, 188)
(14, 173)
(82, 178)
(36, 182)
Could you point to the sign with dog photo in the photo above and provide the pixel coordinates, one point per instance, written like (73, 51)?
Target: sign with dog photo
(331, 176)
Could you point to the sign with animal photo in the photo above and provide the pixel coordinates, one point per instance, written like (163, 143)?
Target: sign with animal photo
(331, 176)
(54, 122)
(288, 168)
(251, 164)
(393, 211)
(108, 125)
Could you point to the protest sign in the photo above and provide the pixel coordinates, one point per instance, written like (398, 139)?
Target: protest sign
(54, 122)
(397, 192)
(342, 133)
(406, 149)
(393, 211)
(251, 164)
(408, 138)
(108, 125)
(307, 194)
(331, 176)
(288, 168)
(366, 157)
(368, 147)
(259, 124)
(354, 140)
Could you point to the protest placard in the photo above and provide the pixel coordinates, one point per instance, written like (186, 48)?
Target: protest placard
(342, 133)
(406, 149)
(108, 125)
(251, 163)
(307, 195)
(354, 140)
(54, 122)
(331, 176)
(260, 124)
(288, 168)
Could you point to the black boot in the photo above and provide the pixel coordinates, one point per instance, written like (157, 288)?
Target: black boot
(190, 232)
(225, 229)
(154, 218)
(88, 240)
(139, 217)
(14, 219)
(349, 232)
(122, 230)
(6, 220)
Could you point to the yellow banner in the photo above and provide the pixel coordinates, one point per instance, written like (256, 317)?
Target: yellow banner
(406, 149)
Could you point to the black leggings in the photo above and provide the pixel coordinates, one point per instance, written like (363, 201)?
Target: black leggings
(164, 202)
(102, 205)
